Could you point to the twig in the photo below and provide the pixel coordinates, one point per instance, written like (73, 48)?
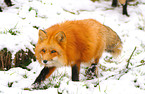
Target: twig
(130, 58)
(140, 65)
(110, 76)
(128, 61)
(125, 70)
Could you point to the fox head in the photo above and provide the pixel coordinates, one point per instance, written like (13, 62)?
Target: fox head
(50, 49)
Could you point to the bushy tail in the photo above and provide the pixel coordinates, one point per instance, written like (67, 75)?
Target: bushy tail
(113, 42)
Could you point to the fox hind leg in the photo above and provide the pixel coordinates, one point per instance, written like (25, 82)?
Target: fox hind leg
(114, 3)
(125, 8)
(93, 70)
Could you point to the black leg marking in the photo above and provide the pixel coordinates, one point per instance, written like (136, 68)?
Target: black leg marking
(75, 73)
(0, 9)
(125, 9)
(8, 2)
(91, 71)
(114, 3)
(42, 75)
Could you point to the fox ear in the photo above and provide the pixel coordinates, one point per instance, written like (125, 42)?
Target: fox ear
(42, 35)
(60, 37)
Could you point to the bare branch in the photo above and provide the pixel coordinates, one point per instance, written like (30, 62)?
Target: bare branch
(130, 58)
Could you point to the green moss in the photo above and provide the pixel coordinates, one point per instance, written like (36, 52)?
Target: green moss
(12, 31)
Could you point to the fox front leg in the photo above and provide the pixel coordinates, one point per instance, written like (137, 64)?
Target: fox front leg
(75, 72)
(45, 73)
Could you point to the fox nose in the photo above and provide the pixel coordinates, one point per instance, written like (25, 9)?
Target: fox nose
(44, 61)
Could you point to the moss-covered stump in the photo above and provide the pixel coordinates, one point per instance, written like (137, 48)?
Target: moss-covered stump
(23, 58)
(5, 59)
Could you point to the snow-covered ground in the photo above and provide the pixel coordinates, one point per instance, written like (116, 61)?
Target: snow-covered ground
(114, 78)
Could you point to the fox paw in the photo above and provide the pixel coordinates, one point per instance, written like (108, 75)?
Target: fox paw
(36, 86)
(32, 87)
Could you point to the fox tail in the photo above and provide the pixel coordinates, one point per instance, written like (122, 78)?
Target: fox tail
(113, 43)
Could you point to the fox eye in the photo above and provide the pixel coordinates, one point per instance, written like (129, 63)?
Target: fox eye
(43, 50)
(53, 51)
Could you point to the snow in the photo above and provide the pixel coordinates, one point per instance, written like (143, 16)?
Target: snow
(26, 14)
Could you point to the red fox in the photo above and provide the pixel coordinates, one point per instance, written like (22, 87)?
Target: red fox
(74, 42)
(124, 5)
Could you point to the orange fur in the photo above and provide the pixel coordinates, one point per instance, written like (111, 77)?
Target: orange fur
(122, 1)
(73, 42)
